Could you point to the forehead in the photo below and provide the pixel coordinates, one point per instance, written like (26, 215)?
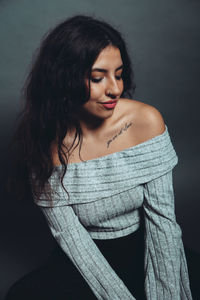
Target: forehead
(108, 57)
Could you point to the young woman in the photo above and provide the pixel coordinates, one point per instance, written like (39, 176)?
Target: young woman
(100, 168)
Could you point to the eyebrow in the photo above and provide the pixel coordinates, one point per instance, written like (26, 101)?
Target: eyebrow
(104, 70)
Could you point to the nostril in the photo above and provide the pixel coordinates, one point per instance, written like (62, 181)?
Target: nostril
(114, 93)
(112, 96)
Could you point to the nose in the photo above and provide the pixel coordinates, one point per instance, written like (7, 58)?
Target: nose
(113, 88)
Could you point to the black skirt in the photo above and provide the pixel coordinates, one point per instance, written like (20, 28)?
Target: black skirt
(58, 278)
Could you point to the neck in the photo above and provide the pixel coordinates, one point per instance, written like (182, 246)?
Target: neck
(90, 124)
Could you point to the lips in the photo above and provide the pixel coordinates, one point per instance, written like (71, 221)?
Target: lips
(109, 102)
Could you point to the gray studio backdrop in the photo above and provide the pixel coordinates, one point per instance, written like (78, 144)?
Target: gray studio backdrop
(163, 40)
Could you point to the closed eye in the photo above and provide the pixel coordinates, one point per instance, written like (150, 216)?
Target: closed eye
(96, 80)
(118, 77)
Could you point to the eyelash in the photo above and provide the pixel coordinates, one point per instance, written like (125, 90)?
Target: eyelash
(97, 80)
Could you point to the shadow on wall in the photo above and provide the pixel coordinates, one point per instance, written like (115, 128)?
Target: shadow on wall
(25, 242)
(193, 261)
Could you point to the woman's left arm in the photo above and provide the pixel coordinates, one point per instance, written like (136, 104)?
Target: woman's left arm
(166, 273)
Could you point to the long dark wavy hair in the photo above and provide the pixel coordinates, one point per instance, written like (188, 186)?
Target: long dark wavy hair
(53, 92)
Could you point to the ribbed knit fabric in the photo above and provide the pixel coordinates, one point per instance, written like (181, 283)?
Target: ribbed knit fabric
(105, 195)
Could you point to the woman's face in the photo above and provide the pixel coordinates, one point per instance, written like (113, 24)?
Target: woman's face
(106, 83)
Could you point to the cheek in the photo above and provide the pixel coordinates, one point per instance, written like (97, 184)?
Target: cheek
(96, 91)
(121, 86)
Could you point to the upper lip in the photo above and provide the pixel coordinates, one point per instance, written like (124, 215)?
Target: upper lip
(110, 101)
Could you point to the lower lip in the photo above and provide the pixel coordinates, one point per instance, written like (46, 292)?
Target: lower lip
(109, 105)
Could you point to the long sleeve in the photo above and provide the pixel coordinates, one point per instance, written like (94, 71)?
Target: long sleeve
(105, 195)
(81, 249)
(166, 274)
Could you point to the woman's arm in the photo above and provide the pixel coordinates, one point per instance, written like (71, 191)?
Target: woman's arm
(81, 249)
(165, 264)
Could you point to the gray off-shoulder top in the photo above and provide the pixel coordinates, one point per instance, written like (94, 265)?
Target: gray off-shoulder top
(105, 195)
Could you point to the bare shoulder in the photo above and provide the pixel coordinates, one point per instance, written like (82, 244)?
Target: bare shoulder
(147, 120)
(151, 119)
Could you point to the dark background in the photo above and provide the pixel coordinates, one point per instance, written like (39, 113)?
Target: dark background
(163, 40)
